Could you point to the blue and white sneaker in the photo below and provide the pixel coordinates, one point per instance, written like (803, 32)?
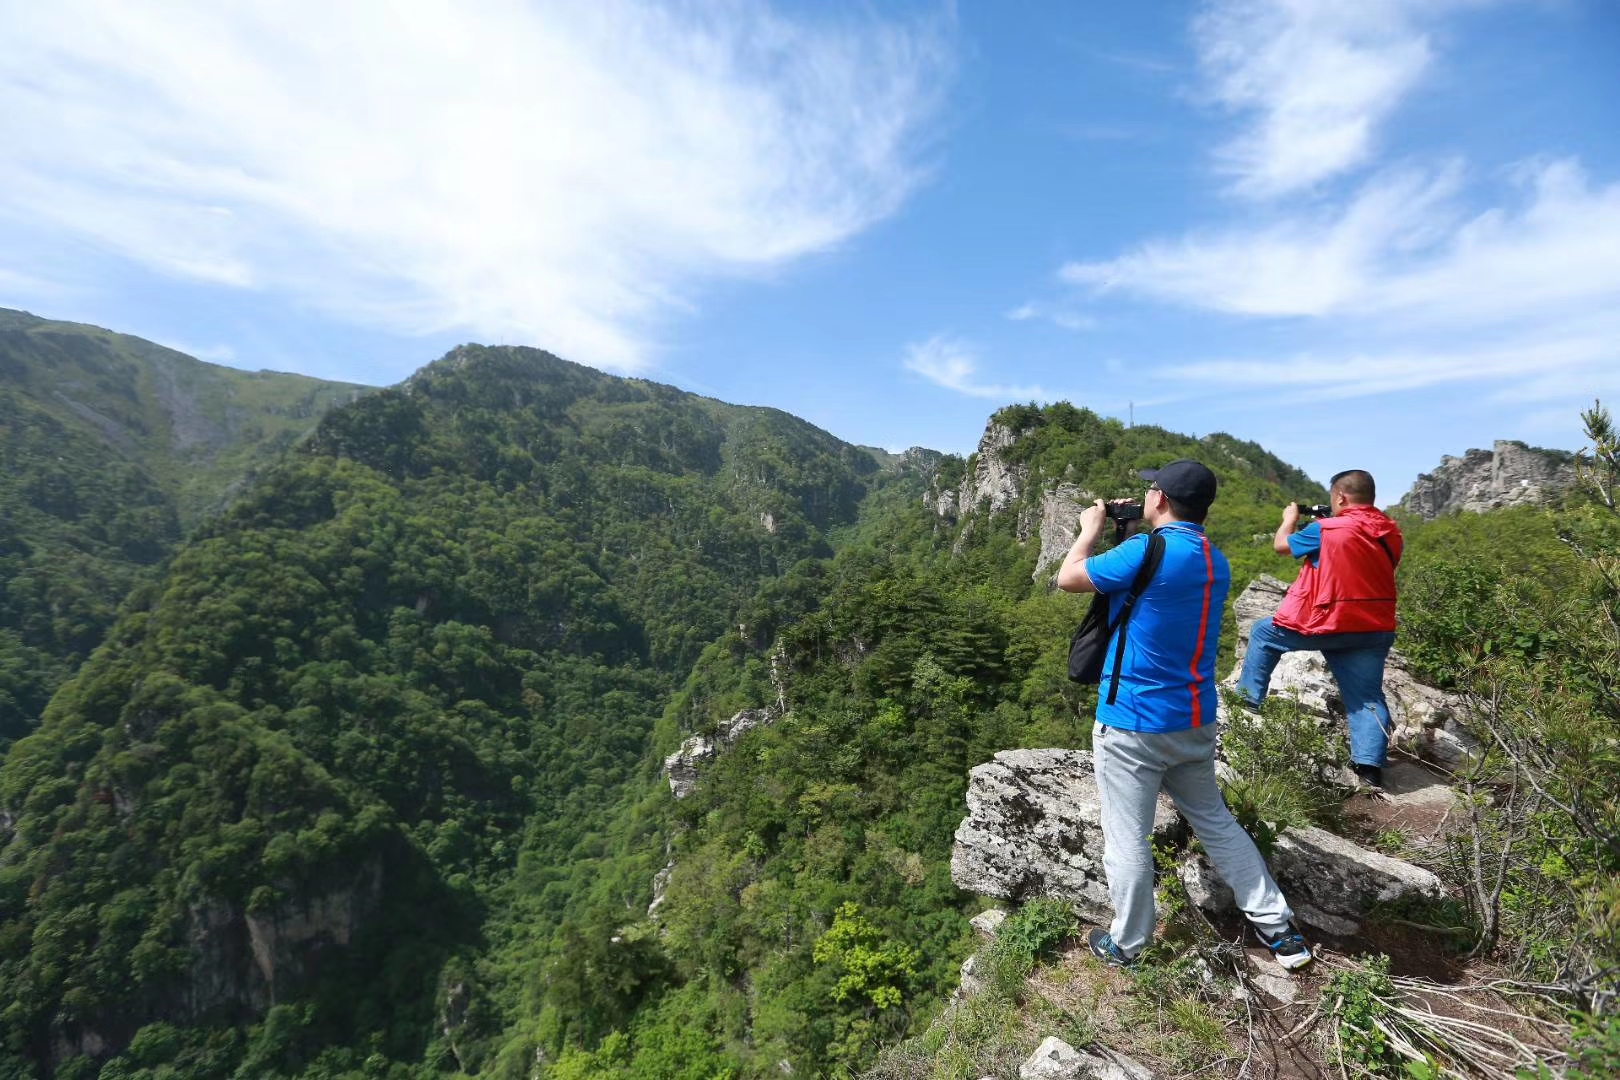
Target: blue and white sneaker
(1288, 946)
(1104, 949)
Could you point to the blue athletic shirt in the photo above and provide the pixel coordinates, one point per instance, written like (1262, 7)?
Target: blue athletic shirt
(1168, 679)
(1307, 543)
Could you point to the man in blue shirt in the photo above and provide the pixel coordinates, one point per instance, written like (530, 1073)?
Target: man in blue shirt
(1160, 730)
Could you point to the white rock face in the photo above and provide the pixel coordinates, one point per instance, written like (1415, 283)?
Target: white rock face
(1055, 1059)
(993, 480)
(1034, 829)
(683, 765)
(1509, 474)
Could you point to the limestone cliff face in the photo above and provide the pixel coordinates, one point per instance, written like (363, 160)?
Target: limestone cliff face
(995, 482)
(1509, 474)
(996, 485)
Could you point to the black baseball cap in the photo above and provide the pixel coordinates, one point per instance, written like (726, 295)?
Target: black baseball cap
(1187, 482)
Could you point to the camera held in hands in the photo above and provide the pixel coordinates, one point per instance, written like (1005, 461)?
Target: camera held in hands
(1124, 512)
(1317, 510)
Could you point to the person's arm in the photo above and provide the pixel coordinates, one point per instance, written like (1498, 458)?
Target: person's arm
(1290, 518)
(1072, 576)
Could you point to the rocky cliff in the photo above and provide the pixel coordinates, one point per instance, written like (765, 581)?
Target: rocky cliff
(1509, 474)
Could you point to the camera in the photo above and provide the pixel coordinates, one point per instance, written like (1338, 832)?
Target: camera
(1318, 510)
(1123, 512)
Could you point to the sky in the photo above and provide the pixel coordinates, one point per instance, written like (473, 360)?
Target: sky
(1364, 235)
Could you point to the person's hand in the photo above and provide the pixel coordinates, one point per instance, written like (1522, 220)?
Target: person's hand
(1092, 518)
(1290, 516)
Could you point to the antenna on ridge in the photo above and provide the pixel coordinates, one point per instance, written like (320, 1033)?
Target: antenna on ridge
(1132, 421)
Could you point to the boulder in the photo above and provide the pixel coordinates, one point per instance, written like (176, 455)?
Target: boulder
(1034, 829)
(1330, 882)
(1055, 1059)
(988, 923)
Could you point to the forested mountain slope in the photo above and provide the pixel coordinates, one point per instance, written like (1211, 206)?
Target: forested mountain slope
(110, 448)
(368, 726)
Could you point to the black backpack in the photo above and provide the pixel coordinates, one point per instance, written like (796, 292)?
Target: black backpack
(1089, 643)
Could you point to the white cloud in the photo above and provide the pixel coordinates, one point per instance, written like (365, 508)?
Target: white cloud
(1404, 249)
(555, 172)
(1577, 361)
(1057, 316)
(1316, 77)
(954, 365)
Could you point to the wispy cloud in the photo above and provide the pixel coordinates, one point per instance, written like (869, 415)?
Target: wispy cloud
(561, 173)
(1404, 247)
(1313, 79)
(1057, 316)
(954, 364)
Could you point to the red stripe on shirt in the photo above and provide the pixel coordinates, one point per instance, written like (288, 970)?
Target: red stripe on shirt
(1203, 628)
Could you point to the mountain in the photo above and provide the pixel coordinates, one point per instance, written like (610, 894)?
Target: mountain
(371, 771)
(370, 720)
(111, 448)
(1508, 474)
(369, 777)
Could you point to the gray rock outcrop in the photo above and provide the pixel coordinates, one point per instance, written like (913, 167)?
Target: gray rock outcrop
(683, 765)
(1034, 829)
(1330, 882)
(1509, 474)
(1055, 1059)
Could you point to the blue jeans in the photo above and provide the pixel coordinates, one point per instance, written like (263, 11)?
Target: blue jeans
(1357, 663)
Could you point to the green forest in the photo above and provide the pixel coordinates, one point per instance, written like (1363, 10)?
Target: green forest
(350, 764)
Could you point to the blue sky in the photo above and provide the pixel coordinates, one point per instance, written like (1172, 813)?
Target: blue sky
(1363, 235)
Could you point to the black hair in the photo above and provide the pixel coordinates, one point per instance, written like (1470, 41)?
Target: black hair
(1357, 484)
(1184, 512)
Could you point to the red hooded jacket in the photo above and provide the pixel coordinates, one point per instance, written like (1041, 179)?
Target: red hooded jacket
(1351, 589)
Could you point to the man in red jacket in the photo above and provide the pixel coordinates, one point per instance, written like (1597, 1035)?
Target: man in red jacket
(1341, 605)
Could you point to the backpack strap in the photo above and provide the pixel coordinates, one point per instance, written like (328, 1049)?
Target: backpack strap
(1393, 561)
(1144, 575)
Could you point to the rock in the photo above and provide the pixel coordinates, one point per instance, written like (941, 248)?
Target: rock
(989, 922)
(1060, 523)
(683, 765)
(1260, 598)
(994, 481)
(1509, 474)
(1033, 829)
(660, 885)
(1055, 1059)
(972, 978)
(1331, 883)
(1327, 874)
(1277, 987)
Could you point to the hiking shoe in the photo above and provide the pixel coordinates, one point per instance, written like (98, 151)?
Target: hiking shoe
(1288, 947)
(1369, 775)
(1104, 949)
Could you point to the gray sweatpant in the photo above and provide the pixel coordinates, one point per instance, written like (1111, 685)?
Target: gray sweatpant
(1131, 767)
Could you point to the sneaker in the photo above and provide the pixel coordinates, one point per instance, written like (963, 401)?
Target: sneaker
(1369, 775)
(1104, 949)
(1288, 947)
